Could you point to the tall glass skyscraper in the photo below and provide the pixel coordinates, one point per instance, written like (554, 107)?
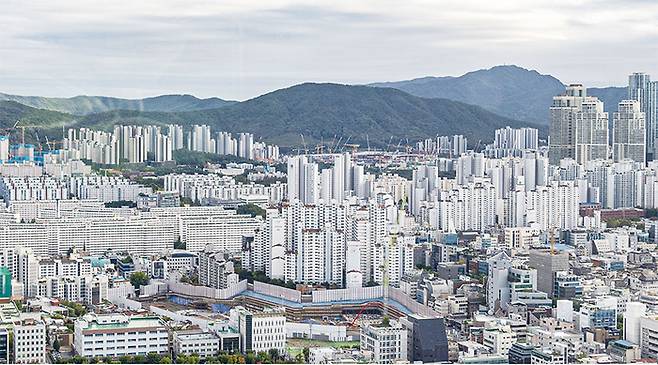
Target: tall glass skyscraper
(642, 89)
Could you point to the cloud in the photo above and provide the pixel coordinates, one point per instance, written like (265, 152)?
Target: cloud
(240, 49)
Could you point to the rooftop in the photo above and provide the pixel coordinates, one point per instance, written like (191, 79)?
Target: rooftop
(195, 336)
(105, 322)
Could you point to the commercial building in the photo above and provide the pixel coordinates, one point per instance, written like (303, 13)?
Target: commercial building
(201, 343)
(547, 264)
(599, 314)
(117, 335)
(624, 352)
(29, 341)
(427, 341)
(260, 331)
(5, 351)
(387, 342)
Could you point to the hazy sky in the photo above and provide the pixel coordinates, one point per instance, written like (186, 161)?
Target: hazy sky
(240, 49)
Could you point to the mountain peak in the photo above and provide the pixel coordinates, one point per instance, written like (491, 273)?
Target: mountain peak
(508, 90)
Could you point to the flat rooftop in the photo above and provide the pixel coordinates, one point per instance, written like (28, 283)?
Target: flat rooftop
(122, 323)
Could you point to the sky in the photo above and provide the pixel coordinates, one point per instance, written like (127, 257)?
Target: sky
(244, 48)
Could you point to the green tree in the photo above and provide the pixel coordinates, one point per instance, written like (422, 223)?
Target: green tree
(120, 204)
(153, 358)
(306, 353)
(263, 357)
(274, 354)
(251, 209)
(75, 309)
(139, 278)
(165, 360)
(56, 345)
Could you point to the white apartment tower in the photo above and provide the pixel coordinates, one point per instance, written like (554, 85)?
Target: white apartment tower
(578, 127)
(628, 132)
(591, 131)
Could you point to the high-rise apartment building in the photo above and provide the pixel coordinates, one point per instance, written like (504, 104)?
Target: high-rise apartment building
(578, 127)
(628, 132)
(642, 89)
(591, 131)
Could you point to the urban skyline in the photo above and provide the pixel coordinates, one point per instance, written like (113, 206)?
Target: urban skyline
(499, 217)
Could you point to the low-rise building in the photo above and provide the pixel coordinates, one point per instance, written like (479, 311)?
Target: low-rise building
(260, 331)
(4, 346)
(200, 343)
(386, 341)
(116, 335)
(29, 341)
(624, 352)
(316, 331)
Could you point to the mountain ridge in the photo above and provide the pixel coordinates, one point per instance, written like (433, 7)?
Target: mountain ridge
(84, 104)
(319, 112)
(507, 90)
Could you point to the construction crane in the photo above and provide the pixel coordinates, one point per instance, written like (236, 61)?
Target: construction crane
(23, 127)
(551, 239)
(354, 147)
(346, 142)
(333, 143)
(304, 144)
(337, 144)
(397, 148)
(52, 145)
(9, 129)
(39, 146)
